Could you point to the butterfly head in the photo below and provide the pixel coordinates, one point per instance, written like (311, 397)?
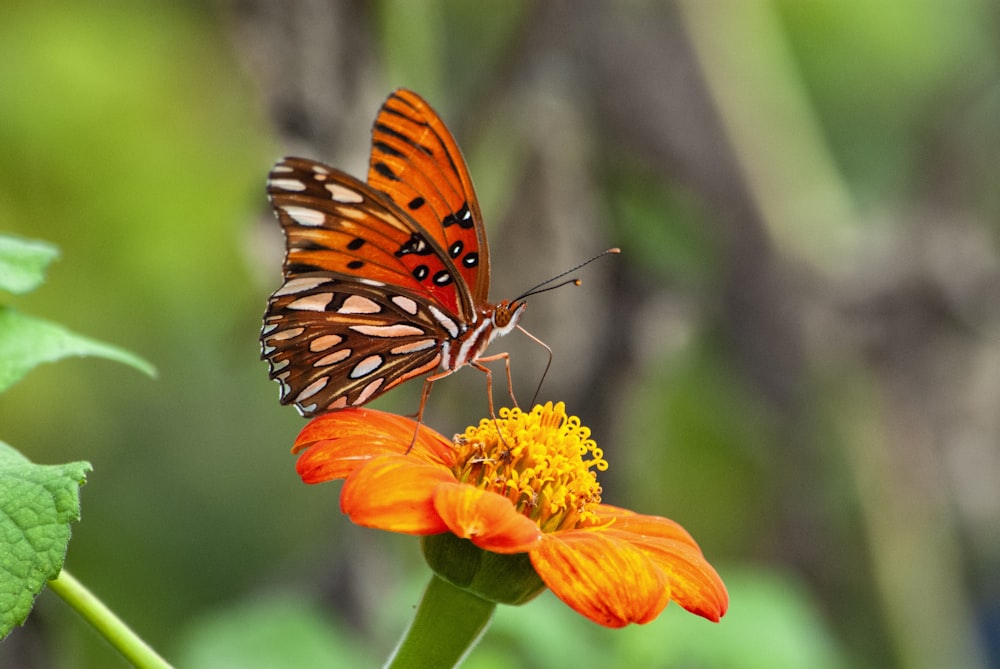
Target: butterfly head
(506, 315)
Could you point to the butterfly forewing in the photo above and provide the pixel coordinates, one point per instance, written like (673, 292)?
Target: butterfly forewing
(416, 163)
(333, 222)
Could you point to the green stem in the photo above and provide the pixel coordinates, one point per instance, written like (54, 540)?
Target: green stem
(107, 624)
(448, 624)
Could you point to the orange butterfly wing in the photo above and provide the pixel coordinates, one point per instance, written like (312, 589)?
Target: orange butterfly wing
(417, 164)
(336, 223)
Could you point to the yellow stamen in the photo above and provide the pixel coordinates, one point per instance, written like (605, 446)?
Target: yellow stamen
(541, 461)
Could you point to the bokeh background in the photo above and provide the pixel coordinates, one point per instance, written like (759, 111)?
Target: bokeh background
(796, 355)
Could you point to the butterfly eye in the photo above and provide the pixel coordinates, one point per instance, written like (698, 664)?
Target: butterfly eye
(502, 315)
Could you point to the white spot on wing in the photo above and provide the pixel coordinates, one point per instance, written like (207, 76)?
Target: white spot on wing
(333, 358)
(300, 285)
(319, 169)
(317, 302)
(405, 303)
(396, 330)
(444, 320)
(338, 403)
(366, 366)
(413, 347)
(282, 169)
(305, 216)
(290, 333)
(323, 342)
(268, 328)
(282, 380)
(288, 184)
(368, 391)
(371, 282)
(354, 213)
(342, 194)
(312, 389)
(356, 304)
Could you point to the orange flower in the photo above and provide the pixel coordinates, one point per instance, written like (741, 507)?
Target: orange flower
(524, 483)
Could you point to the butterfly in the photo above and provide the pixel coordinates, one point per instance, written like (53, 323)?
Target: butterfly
(384, 281)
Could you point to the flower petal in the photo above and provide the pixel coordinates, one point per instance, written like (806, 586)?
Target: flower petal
(694, 583)
(487, 519)
(395, 493)
(637, 523)
(607, 580)
(342, 440)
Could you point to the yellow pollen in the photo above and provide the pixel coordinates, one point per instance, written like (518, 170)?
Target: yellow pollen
(544, 462)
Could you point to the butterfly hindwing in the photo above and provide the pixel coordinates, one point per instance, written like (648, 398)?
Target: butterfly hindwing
(334, 342)
(416, 163)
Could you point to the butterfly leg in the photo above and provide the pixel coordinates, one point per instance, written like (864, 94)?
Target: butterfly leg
(425, 393)
(489, 376)
(489, 385)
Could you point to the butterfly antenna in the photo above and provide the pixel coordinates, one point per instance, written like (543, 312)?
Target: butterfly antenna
(544, 285)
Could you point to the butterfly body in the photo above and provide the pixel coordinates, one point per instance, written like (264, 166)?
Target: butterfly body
(385, 281)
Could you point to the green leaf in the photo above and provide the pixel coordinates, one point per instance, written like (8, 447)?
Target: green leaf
(26, 341)
(23, 263)
(37, 504)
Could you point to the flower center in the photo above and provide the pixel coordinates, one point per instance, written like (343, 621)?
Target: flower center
(541, 461)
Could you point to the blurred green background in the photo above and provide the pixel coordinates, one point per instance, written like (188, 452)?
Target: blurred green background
(796, 356)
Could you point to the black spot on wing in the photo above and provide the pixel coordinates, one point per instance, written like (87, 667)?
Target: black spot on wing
(462, 218)
(385, 171)
(301, 268)
(381, 127)
(386, 149)
(308, 245)
(415, 244)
